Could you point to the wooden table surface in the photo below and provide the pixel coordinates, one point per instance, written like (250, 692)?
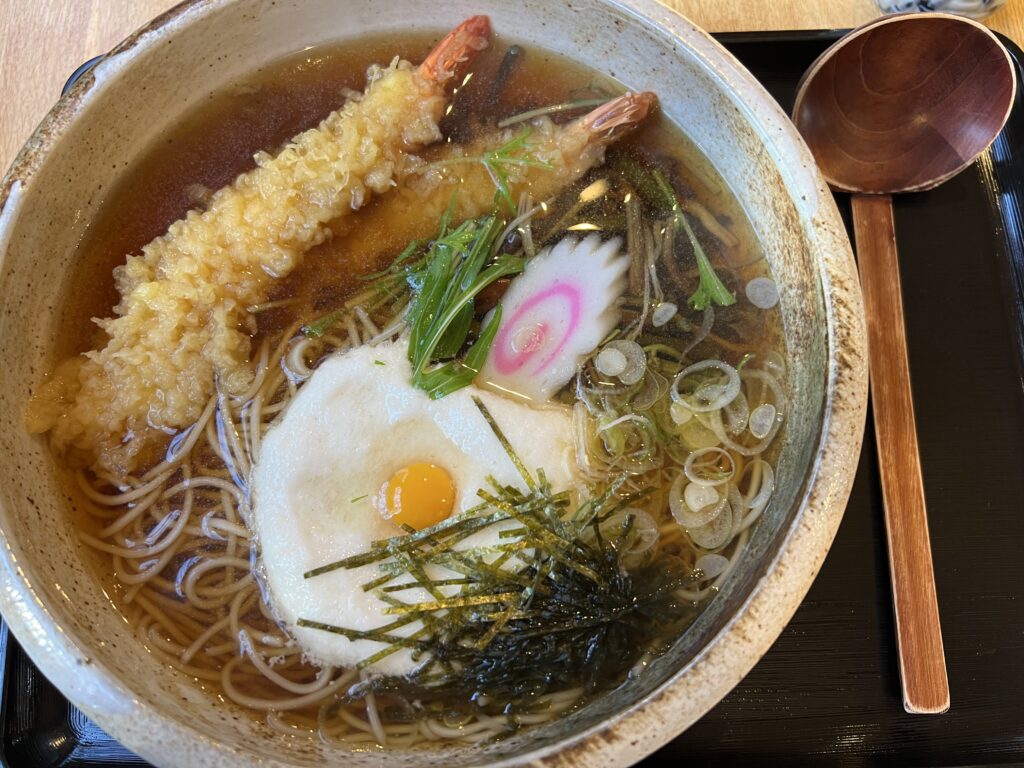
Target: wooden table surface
(42, 41)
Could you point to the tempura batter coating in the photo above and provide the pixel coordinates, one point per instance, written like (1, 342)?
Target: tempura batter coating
(559, 154)
(182, 322)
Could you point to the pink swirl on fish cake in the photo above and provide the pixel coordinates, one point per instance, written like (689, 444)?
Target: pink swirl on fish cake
(507, 360)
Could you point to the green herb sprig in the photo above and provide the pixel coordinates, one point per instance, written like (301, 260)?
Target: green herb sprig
(446, 274)
(656, 191)
(499, 163)
(443, 277)
(514, 153)
(711, 289)
(458, 265)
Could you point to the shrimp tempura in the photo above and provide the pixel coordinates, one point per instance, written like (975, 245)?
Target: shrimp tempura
(559, 155)
(181, 324)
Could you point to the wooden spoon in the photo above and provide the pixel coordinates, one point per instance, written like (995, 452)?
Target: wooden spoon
(899, 105)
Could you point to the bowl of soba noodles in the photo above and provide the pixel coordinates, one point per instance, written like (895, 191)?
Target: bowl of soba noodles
(474, 384)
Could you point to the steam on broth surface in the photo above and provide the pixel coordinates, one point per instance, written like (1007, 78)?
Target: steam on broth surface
(505, 601)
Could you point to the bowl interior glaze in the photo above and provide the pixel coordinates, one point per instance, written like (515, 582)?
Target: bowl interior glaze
(59, 610)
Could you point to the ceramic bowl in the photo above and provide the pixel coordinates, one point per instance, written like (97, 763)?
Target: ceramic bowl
(49, 595)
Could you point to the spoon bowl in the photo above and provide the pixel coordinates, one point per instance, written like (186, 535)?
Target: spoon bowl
(905, 102)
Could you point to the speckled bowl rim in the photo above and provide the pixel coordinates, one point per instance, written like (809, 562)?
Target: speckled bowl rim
(758, 621)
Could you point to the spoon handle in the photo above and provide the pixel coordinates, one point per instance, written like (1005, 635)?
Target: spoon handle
(918, 634)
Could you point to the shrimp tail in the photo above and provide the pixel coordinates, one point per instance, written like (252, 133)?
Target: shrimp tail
(623, 111)
(459, 45)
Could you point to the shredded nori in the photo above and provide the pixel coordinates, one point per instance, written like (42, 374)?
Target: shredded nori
(547, 609)
(573, 635)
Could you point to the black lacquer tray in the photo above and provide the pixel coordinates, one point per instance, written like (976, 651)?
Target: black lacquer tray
(828, 691)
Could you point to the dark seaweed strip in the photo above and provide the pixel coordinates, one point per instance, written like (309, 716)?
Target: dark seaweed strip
(452, 602)
(393, 648)
(547, 536)
(435, 583)
(513, 456)
(385, 548)
(380, 635)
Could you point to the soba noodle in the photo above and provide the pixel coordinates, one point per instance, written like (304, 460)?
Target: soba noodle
(187, 517)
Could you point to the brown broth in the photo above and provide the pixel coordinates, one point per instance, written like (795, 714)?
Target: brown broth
(216, 141)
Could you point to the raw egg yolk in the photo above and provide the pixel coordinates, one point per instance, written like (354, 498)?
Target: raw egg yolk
(418, 495)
